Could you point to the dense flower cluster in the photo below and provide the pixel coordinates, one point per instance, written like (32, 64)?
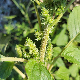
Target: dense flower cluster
(32, 47)
(46, 17)
(53, 9)
(38, 35)
(49, 51)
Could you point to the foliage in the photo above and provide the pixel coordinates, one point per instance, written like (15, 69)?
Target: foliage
(47, 50)
(5, 71)
(36, 71)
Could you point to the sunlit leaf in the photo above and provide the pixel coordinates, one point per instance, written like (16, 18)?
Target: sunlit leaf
(73, 69)
(72, 54)
(63, 73)
(61, 38)
(36, 71)
(74, 23)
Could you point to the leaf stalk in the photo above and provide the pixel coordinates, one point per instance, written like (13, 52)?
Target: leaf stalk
(18, 71)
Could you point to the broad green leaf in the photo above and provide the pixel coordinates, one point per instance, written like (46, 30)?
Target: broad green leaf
(59, 62)
(5, 69)
(74, 23)
(72, 54)
(56, 51)
(73, 69)
(29, 66)
(63, 73)
(61, 38)
(77, 77)
(36, 71)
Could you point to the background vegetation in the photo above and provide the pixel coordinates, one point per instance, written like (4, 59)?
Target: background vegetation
(22, 30)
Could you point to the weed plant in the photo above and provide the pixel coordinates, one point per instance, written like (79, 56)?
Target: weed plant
(49, 50)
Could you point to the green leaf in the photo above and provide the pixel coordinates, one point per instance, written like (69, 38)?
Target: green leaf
(5, 69)
(78, 38)
(72, 54)
(73, 69)
(59, 62)
(56, 51)
(61, 38)
(36, 71)
(63, 73)
(74, 23)
(3, 42)
(77, 77)
(29, 67)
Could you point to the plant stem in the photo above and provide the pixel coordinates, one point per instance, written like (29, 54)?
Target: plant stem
(45, 39)
(23, 12)
(68, 5)
(44, 43)
(12, 59)
(39, 21)
(46, 35)
(18, 71)
(28, 19)
(57, 20)
(55, 59)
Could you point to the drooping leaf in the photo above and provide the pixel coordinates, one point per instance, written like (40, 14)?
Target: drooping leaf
(72, 54)
(36, 71)
(56, 51)
(61, 38)
(74, 23)
(59, 62)
(5, 69)
(73, 69)
(77, 77)
(63, 73)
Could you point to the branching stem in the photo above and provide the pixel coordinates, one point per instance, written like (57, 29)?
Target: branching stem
(38, 17)
(55, 59)
(46, 36)
(13, 59)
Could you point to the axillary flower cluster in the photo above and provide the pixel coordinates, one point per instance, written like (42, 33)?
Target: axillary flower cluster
(50, 10)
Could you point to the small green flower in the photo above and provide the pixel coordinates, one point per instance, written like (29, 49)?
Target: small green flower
(32, 48)
(49, 51)
(38, 35)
